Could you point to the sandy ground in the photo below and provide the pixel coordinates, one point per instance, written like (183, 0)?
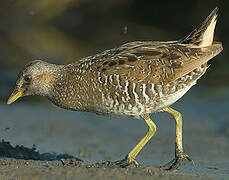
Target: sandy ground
(30, 169)
(45, 142)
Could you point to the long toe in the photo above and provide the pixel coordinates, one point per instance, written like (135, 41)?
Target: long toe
(176, 162)
(126, 162)
(172, 165)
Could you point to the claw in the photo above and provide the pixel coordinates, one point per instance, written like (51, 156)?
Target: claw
(121, 163)
(126, 162)
(176, 162)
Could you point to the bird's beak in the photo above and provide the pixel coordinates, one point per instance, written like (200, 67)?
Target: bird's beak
(18, 92)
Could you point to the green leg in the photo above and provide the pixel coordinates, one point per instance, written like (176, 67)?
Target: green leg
(179, 152)
(130, 158)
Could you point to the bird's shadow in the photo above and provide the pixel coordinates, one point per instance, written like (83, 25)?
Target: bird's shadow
(25, 153)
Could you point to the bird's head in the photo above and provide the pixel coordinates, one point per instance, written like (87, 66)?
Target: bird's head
(36, 78)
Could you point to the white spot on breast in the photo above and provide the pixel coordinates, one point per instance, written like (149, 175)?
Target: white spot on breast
(147, 98)
(106, 79)
(99, 79)
(126, 90)
(118, 81)
(135, 94)
(152, 89)
(116, 104)
(111, 79)
(128, 66)
(123, 99)
(117, 94)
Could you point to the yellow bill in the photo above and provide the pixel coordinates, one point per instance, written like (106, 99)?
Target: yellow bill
(15, 95)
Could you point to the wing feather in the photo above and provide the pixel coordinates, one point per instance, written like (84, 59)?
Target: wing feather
(156, 62)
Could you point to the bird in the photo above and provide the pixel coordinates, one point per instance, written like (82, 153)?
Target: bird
(133, 80)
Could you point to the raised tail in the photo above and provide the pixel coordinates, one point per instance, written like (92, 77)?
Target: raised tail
(203, 35)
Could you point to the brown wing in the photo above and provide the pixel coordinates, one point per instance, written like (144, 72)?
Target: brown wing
(155, 62)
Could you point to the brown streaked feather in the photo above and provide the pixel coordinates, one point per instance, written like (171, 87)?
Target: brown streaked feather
(156, 62)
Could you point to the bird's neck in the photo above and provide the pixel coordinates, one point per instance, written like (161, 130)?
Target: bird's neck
(68, 90)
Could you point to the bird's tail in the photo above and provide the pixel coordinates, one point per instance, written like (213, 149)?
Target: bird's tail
(203, 35)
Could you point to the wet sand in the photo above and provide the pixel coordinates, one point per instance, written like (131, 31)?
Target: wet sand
(46, 142)
(29, 169)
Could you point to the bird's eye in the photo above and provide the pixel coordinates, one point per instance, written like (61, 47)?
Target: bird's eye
(27, 79)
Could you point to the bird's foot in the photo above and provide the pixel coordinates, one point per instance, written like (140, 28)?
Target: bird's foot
(121, 163)
(176, 162)
(126, 162)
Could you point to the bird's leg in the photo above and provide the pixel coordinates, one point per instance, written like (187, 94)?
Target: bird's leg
(130, 158)
(179, 152)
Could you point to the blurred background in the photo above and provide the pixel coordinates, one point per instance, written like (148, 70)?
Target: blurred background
(63, 31)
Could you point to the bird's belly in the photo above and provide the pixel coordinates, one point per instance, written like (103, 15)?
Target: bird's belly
(155, 104)
(168, 100)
